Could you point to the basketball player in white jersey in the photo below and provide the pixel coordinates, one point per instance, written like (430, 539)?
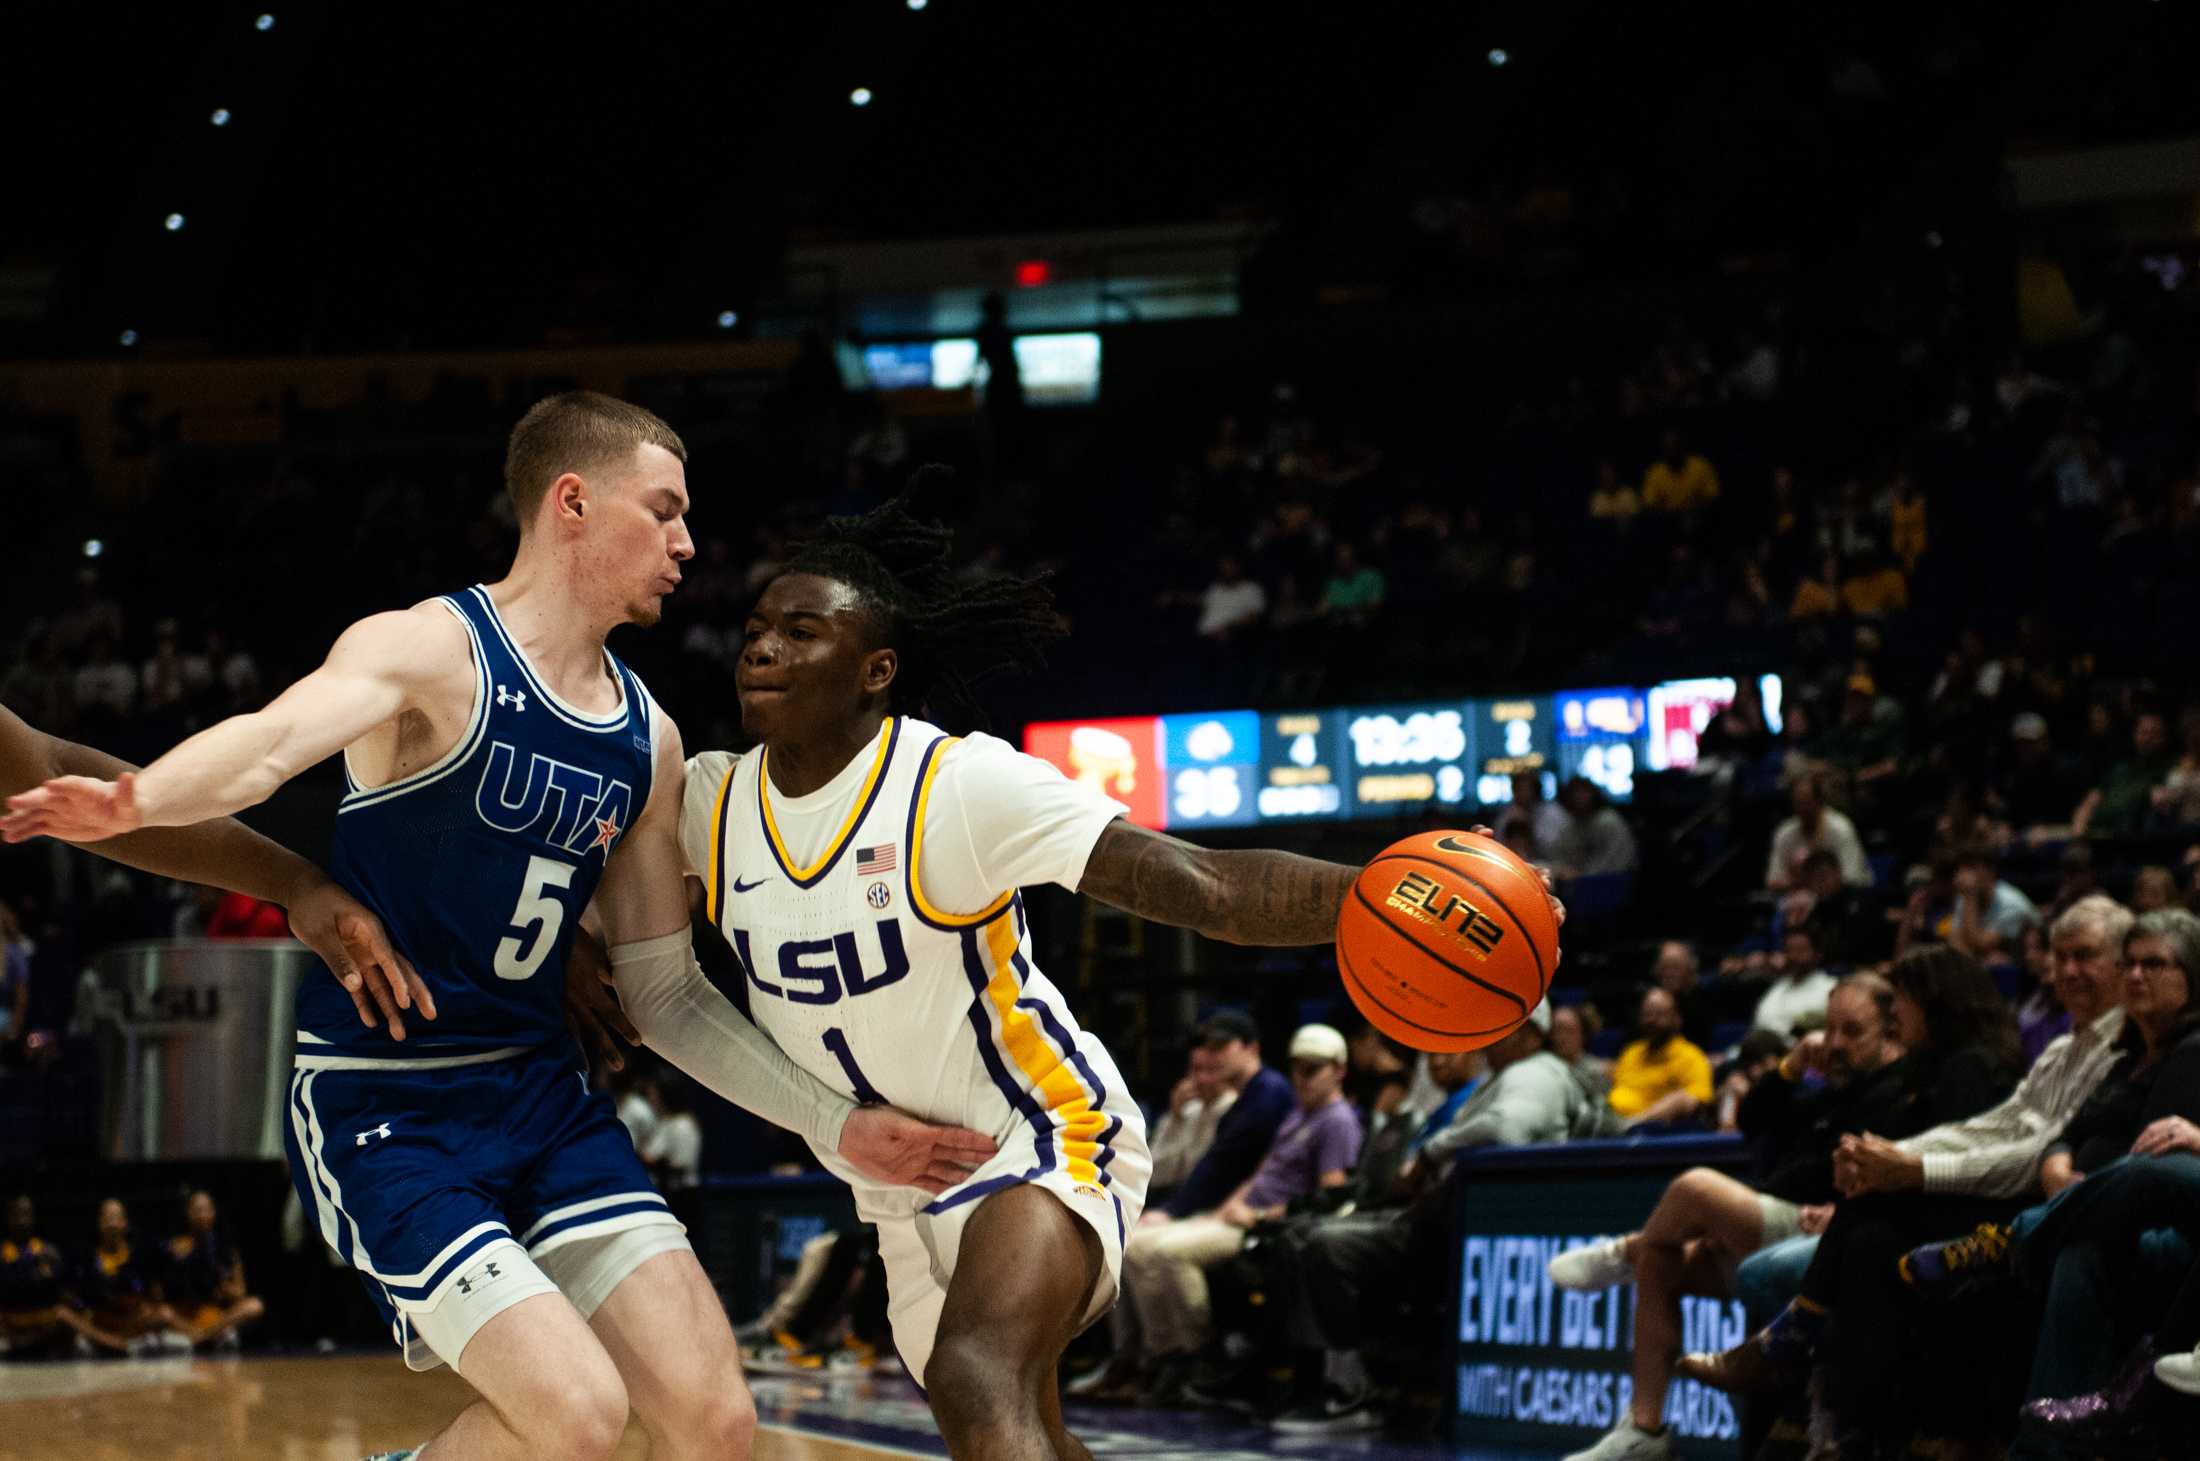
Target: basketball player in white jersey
(864, 866)
(629, 1319)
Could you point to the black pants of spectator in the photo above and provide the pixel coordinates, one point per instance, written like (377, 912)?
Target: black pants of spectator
(1369, 1263)
(2089, 1251)
(1871, 1347)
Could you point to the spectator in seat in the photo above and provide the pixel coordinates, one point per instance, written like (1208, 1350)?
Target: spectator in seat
(203, 1280)
(1232, 605)
(114, 1291)
(1876, 589)
(1356, 1271)
(1259, 1100)
(2035, 785)
(2153, 888)
(1851, 927)
(1991, 915)
(31, 1274)
(1528, 824)
(1572, 1028)
(1679, 480)
(1660, 1076)
(1707, 1221)
(1612, 501)
(2121, 804)
(1165, 1266)
(1197, 1103)
(1354, 594)
(1815, 825)
(1798, 994)
(1817, 591)
(2177, 800)
(1854, 1305)
(1595, 839)
(674, 1149)
(1677, 971)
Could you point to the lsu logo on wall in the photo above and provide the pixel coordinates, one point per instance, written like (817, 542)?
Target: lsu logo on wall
(566, 806)
(1423, 899)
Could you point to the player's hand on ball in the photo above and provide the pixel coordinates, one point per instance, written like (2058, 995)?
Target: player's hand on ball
(1558, 909)
(894, 1147)
(592, 1005)
(74, 809)
(356, 948)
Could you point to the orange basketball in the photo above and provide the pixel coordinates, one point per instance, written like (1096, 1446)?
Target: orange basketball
(1447, 941)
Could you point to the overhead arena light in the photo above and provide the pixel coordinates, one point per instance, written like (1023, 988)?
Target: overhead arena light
(220, 117)
(128, 338)
(727, 319)
(1499, 56)
(173, 223)
(266, 22)
(861, 96)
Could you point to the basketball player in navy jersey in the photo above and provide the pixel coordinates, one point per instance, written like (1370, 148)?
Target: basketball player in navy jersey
(500, 762)
(227, 854)
(865, 867)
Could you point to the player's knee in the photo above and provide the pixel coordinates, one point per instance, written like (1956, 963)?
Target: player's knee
(582, 1415)
(967, 1379)
(723, 1423)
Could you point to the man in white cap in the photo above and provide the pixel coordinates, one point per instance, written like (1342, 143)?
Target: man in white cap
(1165, 1268)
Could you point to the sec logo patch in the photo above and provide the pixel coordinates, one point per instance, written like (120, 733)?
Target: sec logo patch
(879, 895)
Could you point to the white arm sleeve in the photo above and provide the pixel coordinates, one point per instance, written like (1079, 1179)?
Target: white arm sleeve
(683, 1017)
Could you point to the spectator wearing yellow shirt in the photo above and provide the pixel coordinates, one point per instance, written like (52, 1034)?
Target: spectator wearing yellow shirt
(1818, 594)
(1612, 500)
(1906, 522)
(1876, 589)
(1661, 1076)
(1680, 480)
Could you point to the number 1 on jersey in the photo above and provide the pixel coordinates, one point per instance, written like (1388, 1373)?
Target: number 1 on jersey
(536, 911)
(866, 1093)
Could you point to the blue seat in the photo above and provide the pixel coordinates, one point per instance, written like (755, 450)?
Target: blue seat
(1607, 1043)
(1727, 1035)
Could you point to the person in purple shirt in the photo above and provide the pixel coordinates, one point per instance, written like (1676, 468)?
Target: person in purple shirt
(1165, 1266)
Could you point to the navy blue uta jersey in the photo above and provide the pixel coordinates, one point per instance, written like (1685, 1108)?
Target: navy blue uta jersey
(482, 863)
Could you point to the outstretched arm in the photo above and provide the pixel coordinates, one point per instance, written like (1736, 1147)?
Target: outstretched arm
(1253, 896)
(377, 669)
(227, 854)
(681, 1015)
(1238, 897)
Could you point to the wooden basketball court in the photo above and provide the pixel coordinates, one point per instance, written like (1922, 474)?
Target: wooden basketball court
(339, 1408)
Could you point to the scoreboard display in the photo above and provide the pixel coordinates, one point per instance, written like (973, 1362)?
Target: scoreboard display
(1243, 768)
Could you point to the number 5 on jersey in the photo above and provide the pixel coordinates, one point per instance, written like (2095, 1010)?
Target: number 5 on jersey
(536, 921)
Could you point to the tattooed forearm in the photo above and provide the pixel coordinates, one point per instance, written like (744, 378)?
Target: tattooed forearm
(1237, 897)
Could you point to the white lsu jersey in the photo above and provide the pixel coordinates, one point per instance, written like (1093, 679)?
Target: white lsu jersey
(881, 994)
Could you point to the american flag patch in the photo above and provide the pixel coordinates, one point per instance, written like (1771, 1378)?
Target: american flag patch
(871, 860)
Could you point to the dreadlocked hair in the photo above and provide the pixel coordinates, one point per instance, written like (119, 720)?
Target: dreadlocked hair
(948, 632)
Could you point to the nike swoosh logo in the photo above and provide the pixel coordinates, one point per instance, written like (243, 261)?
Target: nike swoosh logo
(1452, 844)
(741, 887)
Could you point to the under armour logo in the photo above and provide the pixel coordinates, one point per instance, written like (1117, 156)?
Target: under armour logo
(487, 1273)
(517, 699)
(382, 1131)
